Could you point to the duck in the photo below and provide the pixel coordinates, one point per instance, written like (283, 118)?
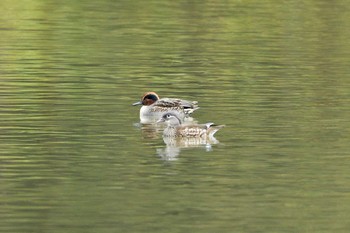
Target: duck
(176, 129)
(154, 107)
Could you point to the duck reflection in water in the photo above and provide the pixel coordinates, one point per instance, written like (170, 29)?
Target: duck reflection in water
(177, 135)
(150, 131)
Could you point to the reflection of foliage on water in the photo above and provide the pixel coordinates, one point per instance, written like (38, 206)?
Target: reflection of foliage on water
(276, 72)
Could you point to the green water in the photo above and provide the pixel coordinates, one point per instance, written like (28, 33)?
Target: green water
(73, 157)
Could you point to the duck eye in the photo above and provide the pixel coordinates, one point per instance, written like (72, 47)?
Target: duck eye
(151, 97)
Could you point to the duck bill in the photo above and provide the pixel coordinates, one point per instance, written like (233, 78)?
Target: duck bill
(137, 103)
(160, 120)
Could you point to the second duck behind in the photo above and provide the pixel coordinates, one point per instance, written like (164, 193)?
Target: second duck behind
(153, 107)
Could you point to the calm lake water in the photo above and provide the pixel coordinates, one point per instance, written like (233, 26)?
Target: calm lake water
(74, 158)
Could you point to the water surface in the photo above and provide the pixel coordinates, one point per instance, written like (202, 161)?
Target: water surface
(74, 157)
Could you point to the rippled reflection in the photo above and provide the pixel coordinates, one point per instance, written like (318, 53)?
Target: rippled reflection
(174, 146)
(275, 72)
(150, 131)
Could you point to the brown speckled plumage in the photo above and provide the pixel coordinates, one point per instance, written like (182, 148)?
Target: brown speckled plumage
(176, 129)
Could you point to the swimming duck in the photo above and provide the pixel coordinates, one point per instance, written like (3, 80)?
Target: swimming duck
(175, 128)
(153, 107)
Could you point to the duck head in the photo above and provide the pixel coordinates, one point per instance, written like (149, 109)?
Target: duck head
(170, 118)
(147, 99)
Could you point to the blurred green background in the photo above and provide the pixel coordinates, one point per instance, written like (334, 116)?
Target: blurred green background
(74, 158)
